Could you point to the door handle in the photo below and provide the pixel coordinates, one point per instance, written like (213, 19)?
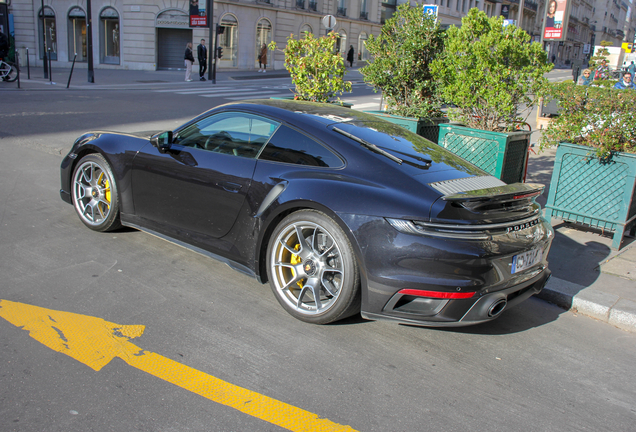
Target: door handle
(230, 187)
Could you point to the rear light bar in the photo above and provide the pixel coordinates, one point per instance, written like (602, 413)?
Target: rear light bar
(436, 294)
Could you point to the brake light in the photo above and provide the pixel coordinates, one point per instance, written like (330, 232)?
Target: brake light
(436, 294)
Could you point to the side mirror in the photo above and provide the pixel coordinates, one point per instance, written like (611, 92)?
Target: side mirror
(162, 140)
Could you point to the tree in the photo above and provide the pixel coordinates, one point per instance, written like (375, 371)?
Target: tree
(490, 72)
(317, 70)
(401, 56)
(600, 55)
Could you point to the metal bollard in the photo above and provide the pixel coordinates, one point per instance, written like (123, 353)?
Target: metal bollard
(17, 65)
(28, 66)
(50, 69)
(71, 74)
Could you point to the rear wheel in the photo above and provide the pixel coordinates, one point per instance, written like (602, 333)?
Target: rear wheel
(312, 269)
(95, 194)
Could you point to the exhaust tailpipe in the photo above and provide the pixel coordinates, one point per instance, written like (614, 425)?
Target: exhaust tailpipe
(497, 308)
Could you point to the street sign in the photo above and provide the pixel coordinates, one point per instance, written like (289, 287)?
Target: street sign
(431, 10)
(329, 21)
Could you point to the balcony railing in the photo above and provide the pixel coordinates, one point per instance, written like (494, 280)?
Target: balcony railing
(341, 11)
(313, 5)
(300, 4)
(364, 15)
(530, 5)
(264, 1)
(620, 33)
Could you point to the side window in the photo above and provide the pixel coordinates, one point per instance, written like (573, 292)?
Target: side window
(290, 146)
(236, 133)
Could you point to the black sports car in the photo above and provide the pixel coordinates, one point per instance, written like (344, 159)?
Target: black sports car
(340, 211)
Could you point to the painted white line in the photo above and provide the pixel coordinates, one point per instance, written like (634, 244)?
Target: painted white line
(253, 95)
(256, 96)
(181, 89)
(210, 91)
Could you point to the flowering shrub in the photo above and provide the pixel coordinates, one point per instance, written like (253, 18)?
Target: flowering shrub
(597, 117)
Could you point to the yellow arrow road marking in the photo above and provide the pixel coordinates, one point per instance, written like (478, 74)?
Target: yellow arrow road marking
(95, 342)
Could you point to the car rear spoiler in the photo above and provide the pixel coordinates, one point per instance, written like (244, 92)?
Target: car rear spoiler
(511, 192)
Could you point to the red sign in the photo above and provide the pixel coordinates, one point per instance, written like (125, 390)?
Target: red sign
(555, 20)
(198, 14)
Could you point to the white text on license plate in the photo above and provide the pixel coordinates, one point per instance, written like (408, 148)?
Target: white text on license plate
(526, 260)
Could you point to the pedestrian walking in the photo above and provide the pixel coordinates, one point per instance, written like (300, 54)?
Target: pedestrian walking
(189, 60)
(202, 55)
(262, 59)
(626, 82)
(631, 69)
(350, 55)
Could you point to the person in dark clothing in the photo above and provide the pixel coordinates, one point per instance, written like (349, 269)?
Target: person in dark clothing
(4, 45)
(350, 56)
(202, 55)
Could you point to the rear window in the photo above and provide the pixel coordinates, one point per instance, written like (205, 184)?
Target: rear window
(290, 146)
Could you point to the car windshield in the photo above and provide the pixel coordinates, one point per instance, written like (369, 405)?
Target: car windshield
(404, 144)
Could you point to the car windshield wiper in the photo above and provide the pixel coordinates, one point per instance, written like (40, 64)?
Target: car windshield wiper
(372, 147)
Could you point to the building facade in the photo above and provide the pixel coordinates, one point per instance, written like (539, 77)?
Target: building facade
(152, 34)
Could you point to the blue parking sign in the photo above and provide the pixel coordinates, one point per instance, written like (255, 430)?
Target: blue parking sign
(430, 10)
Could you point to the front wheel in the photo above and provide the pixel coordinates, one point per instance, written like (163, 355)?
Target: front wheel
(95, 194)
(312, 269)
(9, 71)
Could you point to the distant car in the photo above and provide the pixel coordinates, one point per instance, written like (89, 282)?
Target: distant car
(340, 211)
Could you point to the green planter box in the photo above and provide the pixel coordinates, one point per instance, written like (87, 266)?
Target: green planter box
(501, 154)
(588, 191)
(428, 128)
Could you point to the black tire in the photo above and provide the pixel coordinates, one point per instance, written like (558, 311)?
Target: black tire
(13, 74)
(321, 266)
(95, 195)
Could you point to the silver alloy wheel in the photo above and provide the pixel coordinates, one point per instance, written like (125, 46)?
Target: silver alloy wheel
(92, 193)
(307, 268)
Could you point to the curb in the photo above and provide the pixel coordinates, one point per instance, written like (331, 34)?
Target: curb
(591, 302)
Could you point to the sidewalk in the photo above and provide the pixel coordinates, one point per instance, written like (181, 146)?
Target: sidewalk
(588, 277)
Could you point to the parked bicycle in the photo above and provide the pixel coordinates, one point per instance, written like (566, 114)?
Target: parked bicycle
(8, 71)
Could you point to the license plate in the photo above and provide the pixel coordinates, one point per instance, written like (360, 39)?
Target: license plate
(526, 260)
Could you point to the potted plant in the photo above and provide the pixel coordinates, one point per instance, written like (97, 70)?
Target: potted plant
(316, 70)
(492, 75)
(594, 176)
(400, 67)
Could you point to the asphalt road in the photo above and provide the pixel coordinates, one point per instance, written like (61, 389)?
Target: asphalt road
(536, 368)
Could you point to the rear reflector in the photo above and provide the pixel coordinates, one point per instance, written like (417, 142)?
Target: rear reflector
(436, 294)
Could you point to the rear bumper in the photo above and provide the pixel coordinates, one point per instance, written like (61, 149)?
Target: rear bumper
(457, 313)
(433, 281)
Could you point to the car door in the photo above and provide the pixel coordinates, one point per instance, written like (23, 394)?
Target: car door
(197, 187)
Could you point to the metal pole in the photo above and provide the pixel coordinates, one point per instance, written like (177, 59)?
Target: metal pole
(17, 65)
(89, 41)
(71, 74)
(50, 68)
(28, 66)
(211, 42)
(44, 60)
(216, 45)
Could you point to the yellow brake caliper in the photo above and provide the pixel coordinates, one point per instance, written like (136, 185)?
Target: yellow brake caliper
(295, 259)
(106, 188)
